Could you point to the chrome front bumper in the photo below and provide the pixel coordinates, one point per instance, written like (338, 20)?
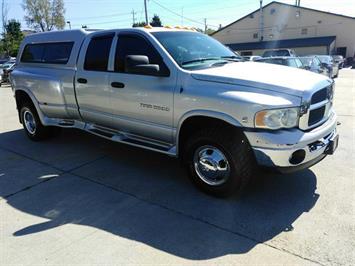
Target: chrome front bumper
(277, 148)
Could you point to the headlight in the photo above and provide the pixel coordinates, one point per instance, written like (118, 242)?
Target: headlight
(277, 118)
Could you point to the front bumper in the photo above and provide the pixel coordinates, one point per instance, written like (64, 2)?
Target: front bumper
(277, 149)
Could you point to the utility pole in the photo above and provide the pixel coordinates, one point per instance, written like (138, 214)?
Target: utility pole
(146, 12)
(261, 22)
(133, 17)
(205, 20)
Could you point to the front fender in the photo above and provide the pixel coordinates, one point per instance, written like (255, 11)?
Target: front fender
(205, 113)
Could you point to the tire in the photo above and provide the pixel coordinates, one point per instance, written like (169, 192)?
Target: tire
(32, 125)
(209, 149)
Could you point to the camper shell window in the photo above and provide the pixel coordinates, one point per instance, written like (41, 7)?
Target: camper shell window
(48, 53)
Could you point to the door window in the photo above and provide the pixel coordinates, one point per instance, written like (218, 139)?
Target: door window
(98, 52)
(136, 45)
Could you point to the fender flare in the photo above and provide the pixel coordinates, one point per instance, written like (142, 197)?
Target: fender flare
(34, 101)
(205, 113)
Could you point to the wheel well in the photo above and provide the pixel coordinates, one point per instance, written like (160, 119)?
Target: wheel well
(196, 123)
(21, 97)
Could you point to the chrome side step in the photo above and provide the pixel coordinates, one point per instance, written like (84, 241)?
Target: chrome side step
(131, 140)
(117, 136)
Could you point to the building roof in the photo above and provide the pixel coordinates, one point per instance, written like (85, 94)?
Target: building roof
(276, 2)
(289, 43)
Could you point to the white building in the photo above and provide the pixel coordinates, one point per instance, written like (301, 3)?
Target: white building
(307, 31)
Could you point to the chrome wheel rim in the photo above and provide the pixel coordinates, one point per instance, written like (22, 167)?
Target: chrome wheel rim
(211, 165)
(30, 122)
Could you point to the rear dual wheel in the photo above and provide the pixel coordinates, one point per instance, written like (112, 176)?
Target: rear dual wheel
(32, 124)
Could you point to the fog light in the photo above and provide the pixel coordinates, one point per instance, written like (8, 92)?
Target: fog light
(297, 157)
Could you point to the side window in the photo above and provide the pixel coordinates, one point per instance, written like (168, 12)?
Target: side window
(33, 53)
(48, 53)
(57, 53)
(135, 45)
(97, 53)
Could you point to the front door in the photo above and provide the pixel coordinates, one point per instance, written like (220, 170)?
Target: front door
(143, 104)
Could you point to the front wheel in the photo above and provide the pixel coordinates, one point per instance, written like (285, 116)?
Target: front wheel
(219, 162)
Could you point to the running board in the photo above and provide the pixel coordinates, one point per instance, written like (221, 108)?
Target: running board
(131, 140)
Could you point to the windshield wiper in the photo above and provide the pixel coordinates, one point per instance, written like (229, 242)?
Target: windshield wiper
(233, 57)
(200, 60)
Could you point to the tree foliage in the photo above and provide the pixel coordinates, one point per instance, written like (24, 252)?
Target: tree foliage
(44, 15)
(156, 22)
(139, 24)
(12, 38)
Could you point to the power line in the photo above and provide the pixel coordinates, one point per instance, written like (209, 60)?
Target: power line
(179, 15)
(106, 16)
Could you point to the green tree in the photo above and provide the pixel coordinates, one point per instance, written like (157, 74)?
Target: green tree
(156, 22)
(209, 31)
(12, 37)
(139, 24)
(44, 15)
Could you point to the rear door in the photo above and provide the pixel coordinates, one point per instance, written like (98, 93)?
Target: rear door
(91, 81)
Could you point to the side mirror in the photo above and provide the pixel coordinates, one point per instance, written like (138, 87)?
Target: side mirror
(139, 64)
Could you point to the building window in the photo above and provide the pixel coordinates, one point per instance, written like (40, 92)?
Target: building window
(272, 11)
(255, 36)
(304, 31)
(298, 14)
(251, 16)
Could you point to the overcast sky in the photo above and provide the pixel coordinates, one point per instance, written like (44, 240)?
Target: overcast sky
(117, 13)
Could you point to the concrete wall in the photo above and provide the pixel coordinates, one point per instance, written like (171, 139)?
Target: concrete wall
(287, 22)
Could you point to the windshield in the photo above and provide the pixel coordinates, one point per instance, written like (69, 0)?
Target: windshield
(306, 61)
(193, 50)
(324, 59)
(7, 65)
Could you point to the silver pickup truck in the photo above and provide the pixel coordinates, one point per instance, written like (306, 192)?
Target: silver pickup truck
(177, 92)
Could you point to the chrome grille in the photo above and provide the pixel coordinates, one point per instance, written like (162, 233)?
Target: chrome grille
(319, 108)
(319, 96)
(316, 116)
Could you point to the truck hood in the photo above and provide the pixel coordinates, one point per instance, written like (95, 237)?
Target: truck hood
(265, 76)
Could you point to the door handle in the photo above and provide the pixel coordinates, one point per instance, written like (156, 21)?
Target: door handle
(81, 80)
(119, 85)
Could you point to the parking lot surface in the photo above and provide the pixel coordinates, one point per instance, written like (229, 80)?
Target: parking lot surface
(79, 199)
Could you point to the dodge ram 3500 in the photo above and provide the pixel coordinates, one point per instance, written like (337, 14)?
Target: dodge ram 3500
(177, 92)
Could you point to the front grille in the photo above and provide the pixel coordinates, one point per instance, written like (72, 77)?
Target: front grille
(316, 116)
(318, 109)
(320, 96)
